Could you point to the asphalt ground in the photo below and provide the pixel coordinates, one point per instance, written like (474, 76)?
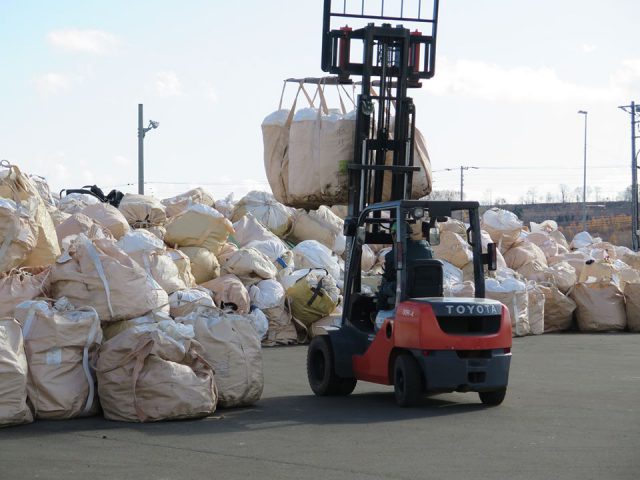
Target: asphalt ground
(572, 412)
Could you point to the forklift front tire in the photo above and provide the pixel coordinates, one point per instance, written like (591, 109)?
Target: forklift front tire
(493, 398)
(321, 370)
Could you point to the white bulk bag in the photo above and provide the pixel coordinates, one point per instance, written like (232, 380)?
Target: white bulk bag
(61, 343)
(142, 211)
(13, 375)
(322, 225)
(180, 203)
(248, 229)
(272, 214)
(513, 294)
(17, 235)
(276, 251)
(183, 302)
(503, 226)
(312, 254)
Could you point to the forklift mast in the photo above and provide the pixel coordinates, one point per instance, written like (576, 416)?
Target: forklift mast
(393, 59)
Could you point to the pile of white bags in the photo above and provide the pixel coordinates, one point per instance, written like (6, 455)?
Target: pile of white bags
(61, 344)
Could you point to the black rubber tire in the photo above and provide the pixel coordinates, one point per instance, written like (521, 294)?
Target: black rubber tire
(321, 370)
(407, 380)
(493, 398)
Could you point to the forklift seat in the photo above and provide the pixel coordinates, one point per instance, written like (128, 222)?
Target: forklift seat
(424, 279)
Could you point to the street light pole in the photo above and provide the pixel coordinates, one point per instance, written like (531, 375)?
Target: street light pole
(141, 134)
(584, 184)
(633, 110)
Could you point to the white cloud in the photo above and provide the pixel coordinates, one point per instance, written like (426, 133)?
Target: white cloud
(168, 84)
(52, 83)
(86, 41)
(486, 81)
(586, 48)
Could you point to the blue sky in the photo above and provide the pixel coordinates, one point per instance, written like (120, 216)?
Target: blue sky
(509, 80)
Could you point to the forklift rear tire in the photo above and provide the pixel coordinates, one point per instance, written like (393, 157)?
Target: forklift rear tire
(321, 370)
(493, 398)
(407, 380)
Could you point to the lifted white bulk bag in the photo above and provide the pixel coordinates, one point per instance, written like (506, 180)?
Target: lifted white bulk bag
(454, 249)
(320, 147)
(142, 211)
(180, 203)
(601, 307)
(558, 309)
(232, 347)
(312, 254)
(150, 373)
(100, 274)
(199, 226)
(265, 209)
(20, 285)
(250, 266)
(229, 292)
(204, 264)
(13, 375)
(183, 302)
(17, 235)
(632, 298)
(109, 217)
(275, 137)
(321, 225)
(513, 294)
(503, 226)
(61, 343)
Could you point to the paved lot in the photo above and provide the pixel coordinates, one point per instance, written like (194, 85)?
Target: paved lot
(572, 412)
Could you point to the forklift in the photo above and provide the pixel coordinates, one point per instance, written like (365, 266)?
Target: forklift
(428, 343)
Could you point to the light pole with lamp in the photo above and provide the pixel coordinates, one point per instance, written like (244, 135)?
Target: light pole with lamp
(634, 110)
(141, 134)
(584, 184)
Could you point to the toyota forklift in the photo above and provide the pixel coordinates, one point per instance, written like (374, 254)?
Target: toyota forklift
(429, 343)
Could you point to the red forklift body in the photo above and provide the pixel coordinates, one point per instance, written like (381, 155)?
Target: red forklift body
(461, 344)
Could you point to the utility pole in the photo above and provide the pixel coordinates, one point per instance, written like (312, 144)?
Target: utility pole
(584, 184)
(633, 110)
(462, 169)
(141, 134)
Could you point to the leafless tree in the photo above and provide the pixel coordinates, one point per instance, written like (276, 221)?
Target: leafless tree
(564, 192)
